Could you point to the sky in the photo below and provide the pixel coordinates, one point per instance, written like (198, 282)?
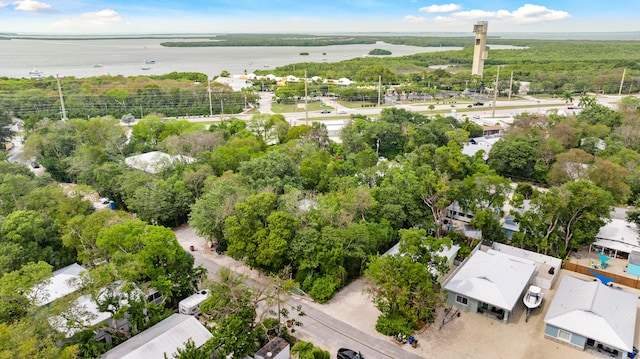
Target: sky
(315, 16)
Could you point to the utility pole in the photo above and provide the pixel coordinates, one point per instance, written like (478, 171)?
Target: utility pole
(495, 93)
(510, 85)
(379, 87)
(622, 82)
(64, 111)
(209, 90)
(306, 102)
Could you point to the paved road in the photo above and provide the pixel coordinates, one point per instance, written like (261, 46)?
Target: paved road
(318, 327)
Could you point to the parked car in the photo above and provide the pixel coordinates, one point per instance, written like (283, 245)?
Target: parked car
(35, 164)
(342, 113)
(325, 111)
(478, 103)
(344, 353)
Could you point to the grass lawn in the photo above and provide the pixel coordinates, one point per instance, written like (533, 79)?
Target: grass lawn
(358, 104)
(285, 108)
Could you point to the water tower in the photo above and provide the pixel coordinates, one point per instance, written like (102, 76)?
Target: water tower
(480, 47)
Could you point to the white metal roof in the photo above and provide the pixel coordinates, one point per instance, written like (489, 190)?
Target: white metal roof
(446, 252)
(85, 314)
(593, 310)
(63, 281)
(619, 235)
(164, 337)
(493, 278)
(155, 161)
(479, 143)
(194, 299)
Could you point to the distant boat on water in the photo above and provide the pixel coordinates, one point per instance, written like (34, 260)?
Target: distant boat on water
(35, 73)
(146, 68)
(150, 62)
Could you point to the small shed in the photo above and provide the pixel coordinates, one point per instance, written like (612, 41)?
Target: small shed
(276, 348)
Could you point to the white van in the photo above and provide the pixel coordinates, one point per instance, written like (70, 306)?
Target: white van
(191, 304)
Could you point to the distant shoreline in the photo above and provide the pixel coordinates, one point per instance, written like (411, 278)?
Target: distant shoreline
(613, 36)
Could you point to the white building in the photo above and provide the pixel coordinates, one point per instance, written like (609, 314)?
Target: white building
(155, 161)
(618, 238)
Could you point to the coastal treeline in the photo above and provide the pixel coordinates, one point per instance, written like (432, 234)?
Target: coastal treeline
(552, 67)
(314, 40)
(173, 94)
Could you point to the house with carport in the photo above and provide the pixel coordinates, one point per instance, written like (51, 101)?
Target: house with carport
(593, 317)
(490, 283)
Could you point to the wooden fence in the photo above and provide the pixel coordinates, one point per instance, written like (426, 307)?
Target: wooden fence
(618, 279)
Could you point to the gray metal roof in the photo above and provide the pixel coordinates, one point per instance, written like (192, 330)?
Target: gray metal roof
(164, 337)
(493, 278)
(593, 310)
(62, 282)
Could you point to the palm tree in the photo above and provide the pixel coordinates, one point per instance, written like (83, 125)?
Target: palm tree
(567, 97)
(587, 101)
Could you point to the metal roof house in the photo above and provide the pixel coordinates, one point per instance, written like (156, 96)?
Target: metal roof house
(448, 252)
(618, 238)
(155, 161)
(592, 316)
(490, 283)
(165, 337)
(64, 281)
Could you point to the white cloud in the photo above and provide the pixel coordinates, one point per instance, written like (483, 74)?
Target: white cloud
(414, 19)
(32, 6)
(441, 8)
(535, 13)
(90, 21)
(444, 20)
(3, 4)
(526, 14)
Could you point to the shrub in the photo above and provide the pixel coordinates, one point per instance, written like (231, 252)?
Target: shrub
(323, 289)
(393, 325)
(321, 354)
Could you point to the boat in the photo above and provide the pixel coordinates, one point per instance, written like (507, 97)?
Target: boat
(97, 66)
(150, 62)
(533, 298)
(146, 68)
(35, 74)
